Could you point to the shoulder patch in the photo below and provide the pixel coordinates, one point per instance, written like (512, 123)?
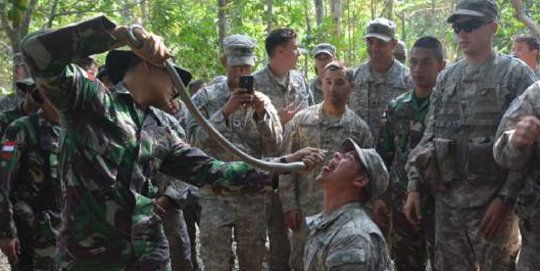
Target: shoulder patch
(347, 256)
(8, 149)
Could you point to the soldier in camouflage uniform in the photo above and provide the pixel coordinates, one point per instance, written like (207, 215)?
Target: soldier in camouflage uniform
(324, 126)
(527, 48)
(289, 92)
(474, 219)
(404, 125)
(31, 197)
(517, 148)
(10, 101)
(400, 52)
(26, 106)
(376, 82)
(323, 54)
(251, 122)
(115, 143)
(343, 236)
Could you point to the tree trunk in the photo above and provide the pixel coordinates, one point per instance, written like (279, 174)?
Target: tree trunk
(373, 9)
(390, 10)
(269, 16)
(222, 18)
(521, 16)
(335, 9)
(319, 12)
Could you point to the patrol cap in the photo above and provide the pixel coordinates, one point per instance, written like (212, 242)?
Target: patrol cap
(18, 59)
(324, 48)
(485, 10)
(239, 50)
(377, 173)
(381, 28)
(118, 62)
(26, 84)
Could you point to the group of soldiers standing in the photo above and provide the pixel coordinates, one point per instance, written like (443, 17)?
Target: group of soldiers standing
(405, 166)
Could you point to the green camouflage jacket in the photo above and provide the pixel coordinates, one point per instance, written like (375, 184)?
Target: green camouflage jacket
(316, 90)
(7, 117)
(404, 125)
(29, 177)
(111, 151)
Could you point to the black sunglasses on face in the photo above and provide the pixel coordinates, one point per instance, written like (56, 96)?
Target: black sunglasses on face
(467, 26)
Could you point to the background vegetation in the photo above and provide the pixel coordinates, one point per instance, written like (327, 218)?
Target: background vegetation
(194, 29)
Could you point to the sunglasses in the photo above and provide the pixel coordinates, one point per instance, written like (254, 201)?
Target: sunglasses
(467, 26)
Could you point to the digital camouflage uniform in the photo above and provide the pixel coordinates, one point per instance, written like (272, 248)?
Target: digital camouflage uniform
(528, 159)
(371, 93)
(312, 127)
(246, 214)
(316, 90)
(111, 151)
(31, 197)
(295, 91)
(455, 158)
(404, 125)
(345, 240)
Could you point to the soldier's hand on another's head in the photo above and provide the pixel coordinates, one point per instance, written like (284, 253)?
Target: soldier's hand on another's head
(11, 247)
(527, 132)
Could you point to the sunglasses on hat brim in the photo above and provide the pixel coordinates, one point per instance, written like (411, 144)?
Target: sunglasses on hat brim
(468, 26)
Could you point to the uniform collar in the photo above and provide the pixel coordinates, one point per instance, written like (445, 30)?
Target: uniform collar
(323, 221)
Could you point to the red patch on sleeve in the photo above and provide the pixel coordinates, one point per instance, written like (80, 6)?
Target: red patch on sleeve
(8, 149)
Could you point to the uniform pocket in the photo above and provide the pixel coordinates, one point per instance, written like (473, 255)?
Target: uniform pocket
(445, 153)
(481, 165)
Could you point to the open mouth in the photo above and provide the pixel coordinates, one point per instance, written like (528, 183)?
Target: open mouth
(331, 166)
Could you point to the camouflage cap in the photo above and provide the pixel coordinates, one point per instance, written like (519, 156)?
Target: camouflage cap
(18, 59)
(377, 173)
(381, 28)
(483, 9)
(239, 50)
(26, 84)
(324, 48)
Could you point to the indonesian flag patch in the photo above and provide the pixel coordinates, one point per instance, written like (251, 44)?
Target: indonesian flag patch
(8, 149)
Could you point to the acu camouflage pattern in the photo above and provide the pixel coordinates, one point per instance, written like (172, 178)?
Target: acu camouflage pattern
(346, 240)
(312, 127)
(295, 91)
(31, 199)
(466, 107)
(371, 95)
(316, 90)
(220, 214)
(111, 150)
(527, 159)
(404, 126)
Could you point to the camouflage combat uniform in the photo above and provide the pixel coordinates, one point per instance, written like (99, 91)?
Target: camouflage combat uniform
(295, 91)
(528, 159)
(111, 151)
(312, 127)
(316, 90)
(404, 126)
(466, 107)
(345, 240)
(7, 117)
(246, 214)
(9, 102)
(372, 92)
(31, 197)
